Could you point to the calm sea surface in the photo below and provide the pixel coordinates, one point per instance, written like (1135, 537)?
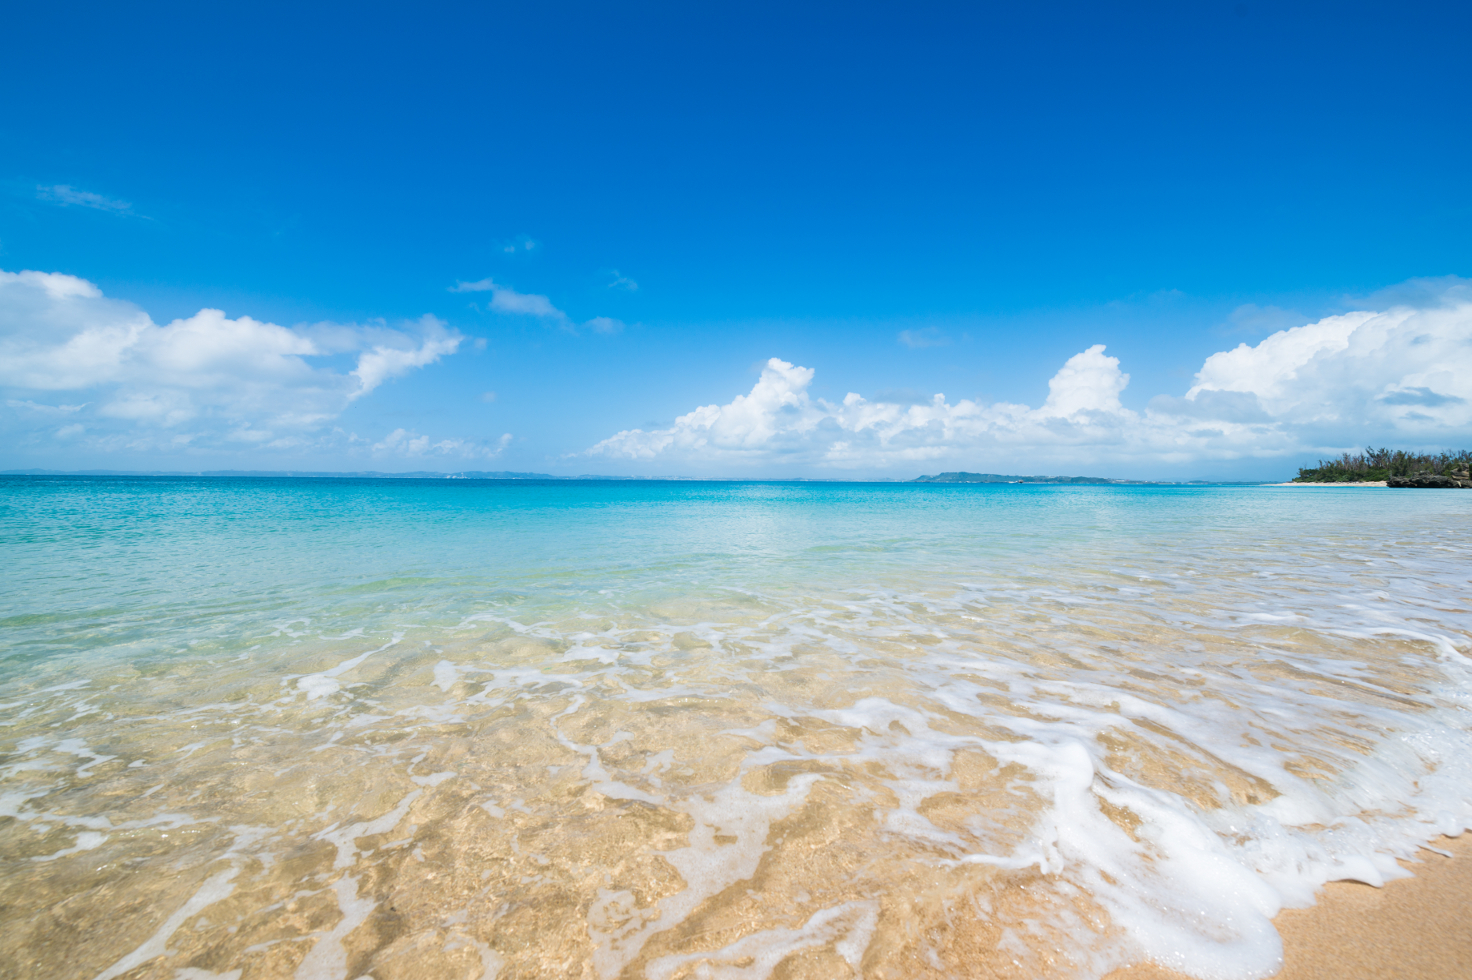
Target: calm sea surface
(332, 729)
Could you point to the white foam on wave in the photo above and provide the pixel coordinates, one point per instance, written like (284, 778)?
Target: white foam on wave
(1197, 891)
(325, 682)
(445, 675)
(1190, 888)
(328, 959)
(345, 838)
(217, 888)
(618, 926)
(847, 927)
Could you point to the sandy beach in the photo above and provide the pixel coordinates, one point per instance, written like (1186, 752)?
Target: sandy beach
(1413, 929)
(1356, 483)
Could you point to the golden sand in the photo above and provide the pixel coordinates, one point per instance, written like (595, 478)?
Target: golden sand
(1413, 929)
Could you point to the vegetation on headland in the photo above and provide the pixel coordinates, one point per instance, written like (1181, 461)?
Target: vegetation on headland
(1385, 464)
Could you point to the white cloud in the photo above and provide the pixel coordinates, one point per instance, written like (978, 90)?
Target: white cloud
(218, 376)
(1087, 382)
(1404, 370)
(402, 442)
(623, 282)
(604, 324)
(382, 362)
(36, 407)
(504, 299)
(1402, 375)
(925, 337)
(777, 414)
(66, 195)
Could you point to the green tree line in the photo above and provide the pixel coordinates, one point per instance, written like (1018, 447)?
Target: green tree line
(1382, 464)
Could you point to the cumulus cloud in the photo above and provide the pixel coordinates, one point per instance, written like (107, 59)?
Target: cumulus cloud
(777, 414)
(1386, 369)
(1088, 382)
(504, 299)
(1403, 375)
(203, 379)
(67, 196)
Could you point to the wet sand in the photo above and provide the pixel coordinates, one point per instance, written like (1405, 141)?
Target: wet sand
(1413, 929)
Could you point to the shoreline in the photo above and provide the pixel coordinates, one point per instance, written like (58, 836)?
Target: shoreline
(1417, 927)
(1326, 483)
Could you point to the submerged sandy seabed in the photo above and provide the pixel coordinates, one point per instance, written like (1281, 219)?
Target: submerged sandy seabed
(890, 786)
(1136, 744)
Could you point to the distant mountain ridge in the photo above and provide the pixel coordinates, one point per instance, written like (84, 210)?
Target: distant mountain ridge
(963, 477)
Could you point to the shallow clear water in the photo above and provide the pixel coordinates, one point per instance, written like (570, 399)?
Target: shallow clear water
(335, 729)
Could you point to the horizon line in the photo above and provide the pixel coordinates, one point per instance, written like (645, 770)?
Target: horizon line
(510, 476)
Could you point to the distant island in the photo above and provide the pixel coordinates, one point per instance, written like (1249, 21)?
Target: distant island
(1004, 478)
(309, 474)
(1394, 467)
(345, 474)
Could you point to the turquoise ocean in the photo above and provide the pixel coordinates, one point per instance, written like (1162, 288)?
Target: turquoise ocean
(333, 729)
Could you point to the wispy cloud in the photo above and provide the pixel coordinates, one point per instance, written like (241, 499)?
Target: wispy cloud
(504, 299)
(521, 243)
(66, 196)
(1249, 318)
(30, 406)
(1397, 374)
(925, 337)
(383, 361)
(403, 442)
(623, 282)
(479, 286)
(604, 324)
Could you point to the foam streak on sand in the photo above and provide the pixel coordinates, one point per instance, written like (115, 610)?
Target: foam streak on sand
(900, 732)
(212, 891)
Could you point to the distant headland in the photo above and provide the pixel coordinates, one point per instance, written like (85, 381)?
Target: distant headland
(1396, 468)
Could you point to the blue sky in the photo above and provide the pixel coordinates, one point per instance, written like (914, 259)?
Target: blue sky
(656, 200)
